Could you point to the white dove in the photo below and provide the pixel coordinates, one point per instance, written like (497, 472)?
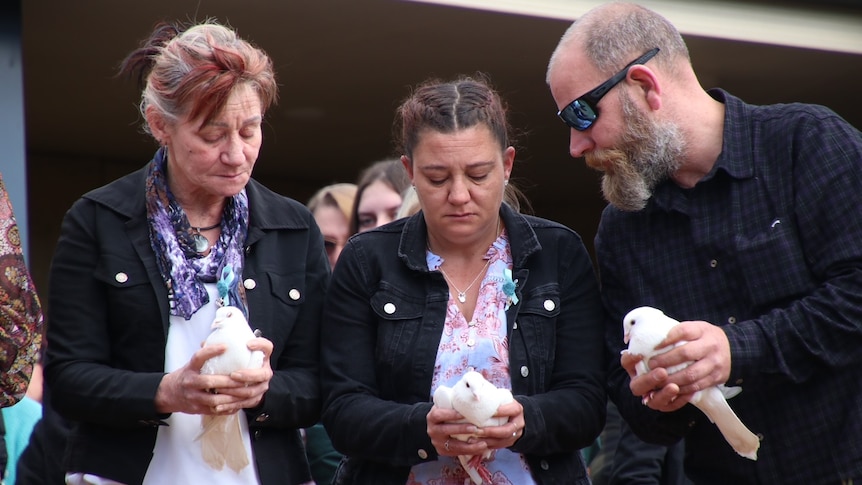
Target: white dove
(221, 438)
(477, 400)
(644, 328)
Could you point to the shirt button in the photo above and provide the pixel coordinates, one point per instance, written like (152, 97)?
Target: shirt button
(422, 454)
(121, 277)
(525, 371)
(389, 308)
(731, 320)
(515, 326)
(293, 294)
(262, 417)
(713, 263)
(249, 284)
(739, 382)
(470, 342)
(550, 305)
(544, 465)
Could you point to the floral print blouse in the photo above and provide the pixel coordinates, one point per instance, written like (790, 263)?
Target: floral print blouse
(481, 345)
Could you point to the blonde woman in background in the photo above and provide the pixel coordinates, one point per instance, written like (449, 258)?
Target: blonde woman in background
(331, 207)
(378, 195)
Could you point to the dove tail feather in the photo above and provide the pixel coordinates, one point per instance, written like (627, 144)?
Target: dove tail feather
(235, 453)
(222, 442)
(212, 441)
(716, 408)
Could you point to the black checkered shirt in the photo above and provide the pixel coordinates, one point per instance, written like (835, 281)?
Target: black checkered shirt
(769, 246)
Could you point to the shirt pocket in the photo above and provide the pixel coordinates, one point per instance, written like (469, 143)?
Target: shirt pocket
(772, 266)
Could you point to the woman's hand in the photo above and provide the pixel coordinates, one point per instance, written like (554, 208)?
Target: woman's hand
(505, 436)
(188, 391)
(443, 425)
(446, 426)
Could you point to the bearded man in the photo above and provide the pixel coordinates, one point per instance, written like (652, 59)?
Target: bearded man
(743, 222)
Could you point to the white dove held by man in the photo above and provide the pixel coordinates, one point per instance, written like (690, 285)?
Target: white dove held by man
(221, 438)
(477, 400)
(646, 327)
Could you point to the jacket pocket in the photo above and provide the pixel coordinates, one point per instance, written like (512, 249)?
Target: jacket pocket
(132, 312)
(535, 327)
(399, 318)
(274, 303)
(127, 286)
(121, 273)
(288, 289)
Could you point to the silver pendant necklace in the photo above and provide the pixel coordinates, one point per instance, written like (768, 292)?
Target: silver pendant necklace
(462, 295)
(199, 241)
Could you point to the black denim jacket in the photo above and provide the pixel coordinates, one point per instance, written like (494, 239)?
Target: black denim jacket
(383, 320)
(108, 334)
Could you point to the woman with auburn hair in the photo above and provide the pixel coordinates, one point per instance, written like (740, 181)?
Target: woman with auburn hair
(143, 264)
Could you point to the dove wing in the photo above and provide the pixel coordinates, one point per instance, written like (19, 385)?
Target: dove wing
(443, 397)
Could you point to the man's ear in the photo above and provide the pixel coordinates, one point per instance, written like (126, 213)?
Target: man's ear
(647, 81)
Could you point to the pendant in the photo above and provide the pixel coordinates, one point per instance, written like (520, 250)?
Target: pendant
(462, 297)
(201, 244)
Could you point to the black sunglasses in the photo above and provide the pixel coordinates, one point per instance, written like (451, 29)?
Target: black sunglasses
(581, 113)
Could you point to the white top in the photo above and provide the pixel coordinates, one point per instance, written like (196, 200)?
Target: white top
(177, 456)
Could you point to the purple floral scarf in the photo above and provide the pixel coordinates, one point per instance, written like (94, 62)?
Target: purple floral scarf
(184, 270)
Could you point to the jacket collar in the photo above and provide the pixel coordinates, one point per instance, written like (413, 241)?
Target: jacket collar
(126, 196)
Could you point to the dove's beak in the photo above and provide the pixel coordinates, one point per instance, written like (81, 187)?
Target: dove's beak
(627, 337)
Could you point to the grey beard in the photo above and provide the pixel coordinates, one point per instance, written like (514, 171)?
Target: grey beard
(649, 152)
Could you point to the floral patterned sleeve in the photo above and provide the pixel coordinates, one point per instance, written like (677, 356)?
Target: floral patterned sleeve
(20, 311)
